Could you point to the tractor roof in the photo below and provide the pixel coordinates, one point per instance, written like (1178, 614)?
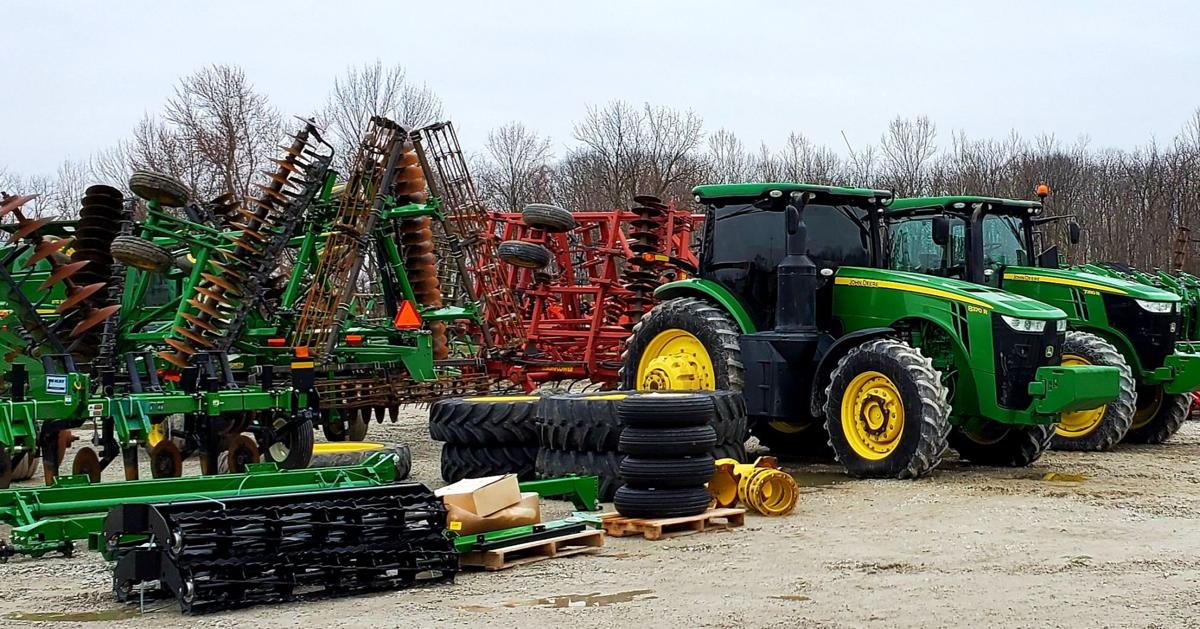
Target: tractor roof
(833, 195)
(998, 205)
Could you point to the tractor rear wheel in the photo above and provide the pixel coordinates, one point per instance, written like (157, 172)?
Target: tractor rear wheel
(1002, 446)
(1159, 415)
(1101, 428)
(683, 344)
(886, 411)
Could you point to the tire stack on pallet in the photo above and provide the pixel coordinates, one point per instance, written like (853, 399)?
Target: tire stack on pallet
(668, 442)
(486, 436)
(581, 433)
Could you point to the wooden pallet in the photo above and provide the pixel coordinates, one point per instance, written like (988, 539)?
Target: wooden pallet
(661, 528)
(588, 541)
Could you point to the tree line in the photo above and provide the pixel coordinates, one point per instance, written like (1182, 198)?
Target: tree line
(216, 132)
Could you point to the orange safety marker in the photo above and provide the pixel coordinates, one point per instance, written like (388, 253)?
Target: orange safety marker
(407, 318)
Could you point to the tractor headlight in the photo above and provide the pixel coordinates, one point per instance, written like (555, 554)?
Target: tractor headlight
(1158, 307)
(1024, 325)
(1061, 325)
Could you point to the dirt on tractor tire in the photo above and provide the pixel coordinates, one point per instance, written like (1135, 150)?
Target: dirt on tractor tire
(1078, 539)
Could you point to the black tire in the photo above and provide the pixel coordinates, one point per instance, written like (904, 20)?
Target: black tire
(922, 396)
(661, 503)
(550, 218)
(667, 409)
(166, 191)
(1117, 415)
(526, 255)
(603, 465)
(664, 442)
(712, 325)
(294, 448)
(459, 461)
(1159, 415)
(485, 420)
(400, 454)
(806, 441)
(735, 451)
(1002, 446)
(581, 422)
(26, 466)
(140, 253)
(666, 473)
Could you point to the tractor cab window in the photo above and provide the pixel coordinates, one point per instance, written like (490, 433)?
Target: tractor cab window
(1003, 243)
(911, 247)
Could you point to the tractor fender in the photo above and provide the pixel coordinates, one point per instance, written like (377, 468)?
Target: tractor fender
(709, 291)
(829, 357)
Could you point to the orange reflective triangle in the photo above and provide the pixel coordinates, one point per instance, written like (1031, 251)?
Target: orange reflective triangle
(407, 318)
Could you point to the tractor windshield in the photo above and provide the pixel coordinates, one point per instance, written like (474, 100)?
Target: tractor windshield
(911, 247)
(1003, 244)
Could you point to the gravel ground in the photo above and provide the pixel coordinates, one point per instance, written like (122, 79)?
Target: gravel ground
(1111, 546)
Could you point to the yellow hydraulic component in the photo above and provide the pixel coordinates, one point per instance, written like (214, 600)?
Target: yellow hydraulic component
(157, 433)
(676, 360)
(1079, 423)
(332, 447)
(760, 485)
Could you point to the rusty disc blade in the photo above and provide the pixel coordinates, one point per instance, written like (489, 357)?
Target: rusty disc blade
(273, 193)
(249, 231)
(193, 337)
(63, 272)
(242, 452)
(175, 359)
(97, 317)
(15, 202)
(285, 164)
(206, 308)
(78, 296)
(180, 346)
(87, 462)
(245, 244)
(225, 269)
(217, 280)
(214, 296)
(200, 323)
(166, 461)
(47, 248)
(28, 228)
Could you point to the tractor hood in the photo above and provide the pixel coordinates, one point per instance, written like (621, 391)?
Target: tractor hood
(984, 297)
(1088, 281)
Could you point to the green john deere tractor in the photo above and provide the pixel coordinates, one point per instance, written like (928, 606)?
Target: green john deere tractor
(887, 367)
(1113, 321)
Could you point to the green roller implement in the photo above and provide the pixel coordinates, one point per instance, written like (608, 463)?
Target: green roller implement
(795, 305)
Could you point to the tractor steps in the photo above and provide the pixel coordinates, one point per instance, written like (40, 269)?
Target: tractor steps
(663, 528)
(588, 541)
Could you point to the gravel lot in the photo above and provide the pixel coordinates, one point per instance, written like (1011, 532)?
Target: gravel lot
(1113, 546)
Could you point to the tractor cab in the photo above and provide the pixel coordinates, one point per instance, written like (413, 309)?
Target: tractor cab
(1113, 321)
(794, 306)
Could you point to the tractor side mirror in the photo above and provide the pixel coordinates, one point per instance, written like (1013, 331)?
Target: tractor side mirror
(1073, 232)
(941, 230)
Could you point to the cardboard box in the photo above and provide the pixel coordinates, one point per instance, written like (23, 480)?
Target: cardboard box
(527, 511)
(482, 496)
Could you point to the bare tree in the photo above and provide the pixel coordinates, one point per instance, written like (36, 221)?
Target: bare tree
(907, 148)
(518, 167)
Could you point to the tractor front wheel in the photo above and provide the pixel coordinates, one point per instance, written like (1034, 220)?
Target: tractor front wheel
(1159, 415)
(886, 411)
(1002, 446)
(1101, 428)
(683, 344)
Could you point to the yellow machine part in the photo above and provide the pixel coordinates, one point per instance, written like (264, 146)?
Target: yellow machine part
(760, 485)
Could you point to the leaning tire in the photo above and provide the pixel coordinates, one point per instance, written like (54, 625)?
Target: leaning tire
(1159, 415)
(294, 448)
(581, 422)
(667, 473)
(886, 380)
(709, 324)
(459, 461)
(485, 421)
(661, 503)
(667, 409)
(1002, 446)
(164, 190)
(735, 451)
(662, 442)
(526, 255)
(603, 465)
(547, 217)
(140, 253)
(1102, 428)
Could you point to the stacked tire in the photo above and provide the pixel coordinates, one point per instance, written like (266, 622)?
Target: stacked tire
(668, 443)
(486, 436)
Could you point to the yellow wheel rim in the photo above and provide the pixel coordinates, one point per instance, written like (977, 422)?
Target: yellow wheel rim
(1146, 412)
(788, 428)
(676, 360)
(1079, 423)
(487, 399)
(872, 415)
(345, 446)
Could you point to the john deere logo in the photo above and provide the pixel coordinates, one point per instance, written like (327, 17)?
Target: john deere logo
(1049, 351)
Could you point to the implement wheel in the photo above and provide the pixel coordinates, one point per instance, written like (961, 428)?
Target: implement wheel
(164, 190)
(886, 411)
(1101, 428)
(140, 253)
(293, 447)
(1002, 446)
(1159, 415)
(550, 218)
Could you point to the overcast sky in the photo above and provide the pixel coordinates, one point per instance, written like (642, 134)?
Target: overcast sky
(77, 76)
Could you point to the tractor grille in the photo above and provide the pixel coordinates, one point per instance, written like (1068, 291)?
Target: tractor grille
(1018, 356)
(1153, 335)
